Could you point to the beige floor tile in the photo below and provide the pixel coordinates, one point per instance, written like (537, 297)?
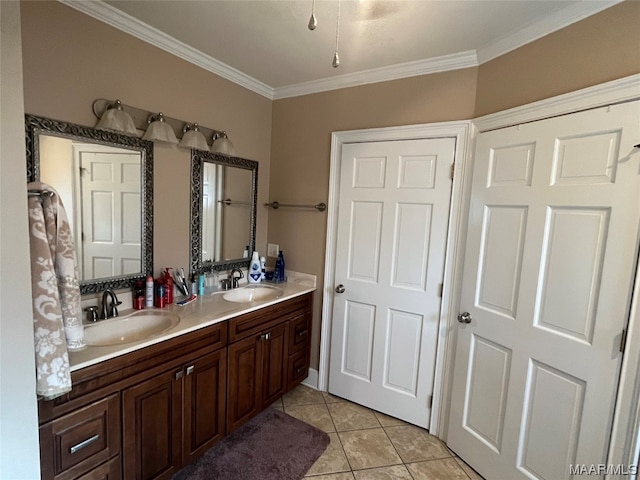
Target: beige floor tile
(415, 444)
(396, 472)
(387, 421)
(334, 476)
(471, 473)
(328, 398)
(349, 416)
(368, 448)
(443, 469)
(302, 395)
(316, 415)
(277, 404)
(333, 460)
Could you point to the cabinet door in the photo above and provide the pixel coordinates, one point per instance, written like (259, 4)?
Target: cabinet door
(244, 381)
(205, 383)
(274, 363)
(152, 427)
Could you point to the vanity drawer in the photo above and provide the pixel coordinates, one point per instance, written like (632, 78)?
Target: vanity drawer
(111, 470)
(298, 368)
(253, 323)
(74, 444)
(299, 332)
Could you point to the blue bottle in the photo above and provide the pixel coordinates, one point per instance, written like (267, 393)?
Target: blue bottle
(280, 267)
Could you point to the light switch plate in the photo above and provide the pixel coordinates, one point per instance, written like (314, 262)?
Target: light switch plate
(272, 250)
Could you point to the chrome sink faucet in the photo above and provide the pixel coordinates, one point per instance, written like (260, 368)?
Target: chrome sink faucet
(110, 310)
(234, 279)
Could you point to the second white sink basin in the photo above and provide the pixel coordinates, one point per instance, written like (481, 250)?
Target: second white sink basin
(138, 326)
(253, 293)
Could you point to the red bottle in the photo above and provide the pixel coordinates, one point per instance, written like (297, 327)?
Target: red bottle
(168, 287)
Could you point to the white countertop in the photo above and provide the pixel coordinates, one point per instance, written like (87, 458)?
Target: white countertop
(204, 311)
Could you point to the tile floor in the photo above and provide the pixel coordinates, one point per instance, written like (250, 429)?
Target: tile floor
(367, 445)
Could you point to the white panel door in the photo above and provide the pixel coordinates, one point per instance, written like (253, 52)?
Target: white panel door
(392, 231)
(111, 214)
(551, 250)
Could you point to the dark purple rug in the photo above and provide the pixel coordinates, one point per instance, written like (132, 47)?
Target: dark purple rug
(271, 446)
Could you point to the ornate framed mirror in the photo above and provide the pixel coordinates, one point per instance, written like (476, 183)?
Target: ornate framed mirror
(105, 181)
(224, 193)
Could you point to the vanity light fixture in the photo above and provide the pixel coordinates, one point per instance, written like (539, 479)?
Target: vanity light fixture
(222, 145)
(159, 130)
(193, 138)
(115, 119)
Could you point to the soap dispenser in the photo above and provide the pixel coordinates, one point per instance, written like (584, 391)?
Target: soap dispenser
(255, 271)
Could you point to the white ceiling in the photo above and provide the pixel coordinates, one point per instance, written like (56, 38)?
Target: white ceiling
(265, 45)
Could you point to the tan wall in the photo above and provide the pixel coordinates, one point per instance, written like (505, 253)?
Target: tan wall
(70, 59)
(301, 144)
(598, 49)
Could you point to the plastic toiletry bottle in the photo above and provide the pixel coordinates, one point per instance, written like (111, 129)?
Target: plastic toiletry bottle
(280, 267)
(148, 298)
(168, 287)
(201, 284)
(263, 268)
(276, 270)
(255, 271)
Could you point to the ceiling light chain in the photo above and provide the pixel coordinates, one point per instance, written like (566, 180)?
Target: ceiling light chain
(336, 57)
(313, 23)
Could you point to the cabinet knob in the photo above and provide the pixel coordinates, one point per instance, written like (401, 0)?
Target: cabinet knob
(179, 375)
(190, 369)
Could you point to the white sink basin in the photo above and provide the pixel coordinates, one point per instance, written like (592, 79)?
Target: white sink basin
(140, 325)
(253, 293)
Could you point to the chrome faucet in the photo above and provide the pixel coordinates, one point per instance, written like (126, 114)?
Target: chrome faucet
(110, 310)
(234, 279)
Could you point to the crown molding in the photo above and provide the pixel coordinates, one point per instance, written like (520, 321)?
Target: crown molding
(625, 89)
(562, 18)
(128, 24)
(444, 63)
(104, 12)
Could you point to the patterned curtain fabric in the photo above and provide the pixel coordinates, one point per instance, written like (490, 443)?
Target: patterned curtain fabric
(57, 315)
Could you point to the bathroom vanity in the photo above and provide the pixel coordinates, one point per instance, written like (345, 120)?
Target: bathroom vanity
(144, 409)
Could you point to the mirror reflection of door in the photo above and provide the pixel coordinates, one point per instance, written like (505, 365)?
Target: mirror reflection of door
(109, 189)
(109, 192)
(212, 181)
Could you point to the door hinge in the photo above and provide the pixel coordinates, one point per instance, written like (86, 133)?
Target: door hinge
(440, 289)
(430, 401)
(453, 169)
(623, 339)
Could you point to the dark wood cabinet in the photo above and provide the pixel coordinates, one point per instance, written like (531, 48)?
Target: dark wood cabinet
(75, 443)
(146, 414)
(205, 396)
(172, 418)
(152, 423)
(260, 348)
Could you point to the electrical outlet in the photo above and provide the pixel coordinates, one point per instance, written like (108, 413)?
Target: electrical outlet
(272, 250)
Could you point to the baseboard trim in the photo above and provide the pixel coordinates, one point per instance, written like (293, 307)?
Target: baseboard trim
(312, 379)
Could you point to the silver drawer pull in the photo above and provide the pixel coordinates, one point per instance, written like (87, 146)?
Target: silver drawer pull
(84, 443)
(302, 332)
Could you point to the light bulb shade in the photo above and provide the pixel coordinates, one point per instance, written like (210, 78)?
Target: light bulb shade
(160, 131)
(193, 138)
(223, 145)
(115, 119)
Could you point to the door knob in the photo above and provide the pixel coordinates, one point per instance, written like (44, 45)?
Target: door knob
(340, 289)
(465, 317)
